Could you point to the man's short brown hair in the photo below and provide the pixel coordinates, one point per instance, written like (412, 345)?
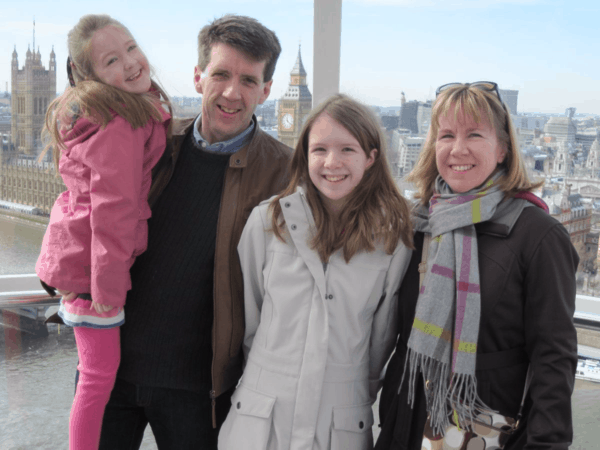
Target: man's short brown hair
(246, 35)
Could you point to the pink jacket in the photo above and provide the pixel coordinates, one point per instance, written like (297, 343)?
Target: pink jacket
(99, 224)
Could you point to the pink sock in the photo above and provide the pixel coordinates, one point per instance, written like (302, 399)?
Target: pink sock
(99, 353)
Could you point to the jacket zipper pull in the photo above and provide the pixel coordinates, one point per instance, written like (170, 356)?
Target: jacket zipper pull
(213, 403)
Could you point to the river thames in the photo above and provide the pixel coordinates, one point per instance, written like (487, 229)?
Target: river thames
(37, 374)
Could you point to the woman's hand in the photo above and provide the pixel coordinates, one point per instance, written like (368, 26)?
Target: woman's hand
(67, 296)
(100, 308)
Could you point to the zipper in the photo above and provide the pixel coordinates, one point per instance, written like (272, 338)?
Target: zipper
(213, 403)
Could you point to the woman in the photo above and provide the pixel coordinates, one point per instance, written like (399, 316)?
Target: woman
(499, 283)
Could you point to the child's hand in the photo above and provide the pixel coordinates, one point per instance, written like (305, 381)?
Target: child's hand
(100, 308)
(67, 295)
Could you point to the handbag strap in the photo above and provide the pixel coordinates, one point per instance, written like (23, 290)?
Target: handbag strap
(528, 379)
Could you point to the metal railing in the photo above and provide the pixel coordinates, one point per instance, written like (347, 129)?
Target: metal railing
(20, 291)
(24, 291)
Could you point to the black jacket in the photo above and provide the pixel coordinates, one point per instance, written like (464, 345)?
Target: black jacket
(527, 278)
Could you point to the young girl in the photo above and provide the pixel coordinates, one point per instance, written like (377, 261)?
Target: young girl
(322, 263)
(107, 131)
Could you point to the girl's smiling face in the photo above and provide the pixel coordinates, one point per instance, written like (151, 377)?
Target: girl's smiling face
(118, 61)
(466, 152)
(336, 161)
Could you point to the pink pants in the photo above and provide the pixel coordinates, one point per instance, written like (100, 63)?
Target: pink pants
(99, 353)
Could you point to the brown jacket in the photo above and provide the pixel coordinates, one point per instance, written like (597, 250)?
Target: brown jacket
(255, 173)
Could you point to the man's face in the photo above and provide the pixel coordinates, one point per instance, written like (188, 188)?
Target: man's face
(231, 87)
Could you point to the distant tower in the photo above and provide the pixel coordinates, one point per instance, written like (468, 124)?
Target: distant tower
(295, 105)
(563, 160)
(593, 160)
(511, 98)
(32, 89)
(408, 116)
(23, 179)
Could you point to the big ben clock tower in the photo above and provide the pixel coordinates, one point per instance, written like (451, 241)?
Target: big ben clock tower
(294, 106)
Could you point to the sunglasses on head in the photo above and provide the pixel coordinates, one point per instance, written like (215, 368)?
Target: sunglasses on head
(488, 86)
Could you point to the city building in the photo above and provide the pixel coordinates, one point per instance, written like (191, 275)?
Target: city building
(529, 122)
(408, 116)
(510, 97)
(294, 106)
(186, 107)
(406, 148)
(415, 116)
(423, 117)
(23, 179)
(563, 160)
(576, 216)
(593, 159)
(266, 114)
(535, 160)
(32, 89)
(560, 129)
(586, 138)
(27, 182)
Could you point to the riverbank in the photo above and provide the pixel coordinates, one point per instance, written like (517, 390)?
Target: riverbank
(39, 222)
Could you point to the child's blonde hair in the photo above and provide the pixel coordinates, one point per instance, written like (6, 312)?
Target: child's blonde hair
(374, 211)
(92, 98)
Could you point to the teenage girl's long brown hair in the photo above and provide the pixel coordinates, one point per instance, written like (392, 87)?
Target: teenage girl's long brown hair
(375, 211)
(94, 99)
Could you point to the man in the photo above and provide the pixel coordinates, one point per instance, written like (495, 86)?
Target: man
(181, 342)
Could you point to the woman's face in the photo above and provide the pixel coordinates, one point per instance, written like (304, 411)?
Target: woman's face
(466, 152)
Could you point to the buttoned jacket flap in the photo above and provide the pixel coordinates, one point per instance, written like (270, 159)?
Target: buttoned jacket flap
(353, 418)
(252, 403)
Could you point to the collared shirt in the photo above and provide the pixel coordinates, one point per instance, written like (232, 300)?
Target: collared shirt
(231, 146)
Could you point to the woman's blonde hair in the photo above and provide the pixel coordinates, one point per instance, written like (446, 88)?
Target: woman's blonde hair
(374, 211)
(93, 99)
(480, 104)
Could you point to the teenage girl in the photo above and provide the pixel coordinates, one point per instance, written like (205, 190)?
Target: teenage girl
(322, 263)
(107, 131)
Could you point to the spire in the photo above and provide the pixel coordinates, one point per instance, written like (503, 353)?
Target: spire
(595, 148)
(298, 67)
(34, 35)
(52, 62)
(593, 160)
(15, 60)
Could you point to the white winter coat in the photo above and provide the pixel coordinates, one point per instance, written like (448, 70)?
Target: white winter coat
(317, 338)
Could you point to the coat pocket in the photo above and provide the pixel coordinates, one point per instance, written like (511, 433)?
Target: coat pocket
(352, 428)
(248, 424)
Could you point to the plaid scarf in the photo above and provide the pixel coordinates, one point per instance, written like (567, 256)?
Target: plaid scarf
(443, 341)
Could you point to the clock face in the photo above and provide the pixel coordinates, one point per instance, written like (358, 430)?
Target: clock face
(287, 121)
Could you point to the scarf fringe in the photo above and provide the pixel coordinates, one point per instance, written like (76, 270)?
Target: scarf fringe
(445, 394)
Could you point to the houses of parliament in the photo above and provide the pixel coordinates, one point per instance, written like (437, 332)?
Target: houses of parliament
(24, 179)
(27, 180)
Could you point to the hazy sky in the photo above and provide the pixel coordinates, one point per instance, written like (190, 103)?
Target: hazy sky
(547, 49)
